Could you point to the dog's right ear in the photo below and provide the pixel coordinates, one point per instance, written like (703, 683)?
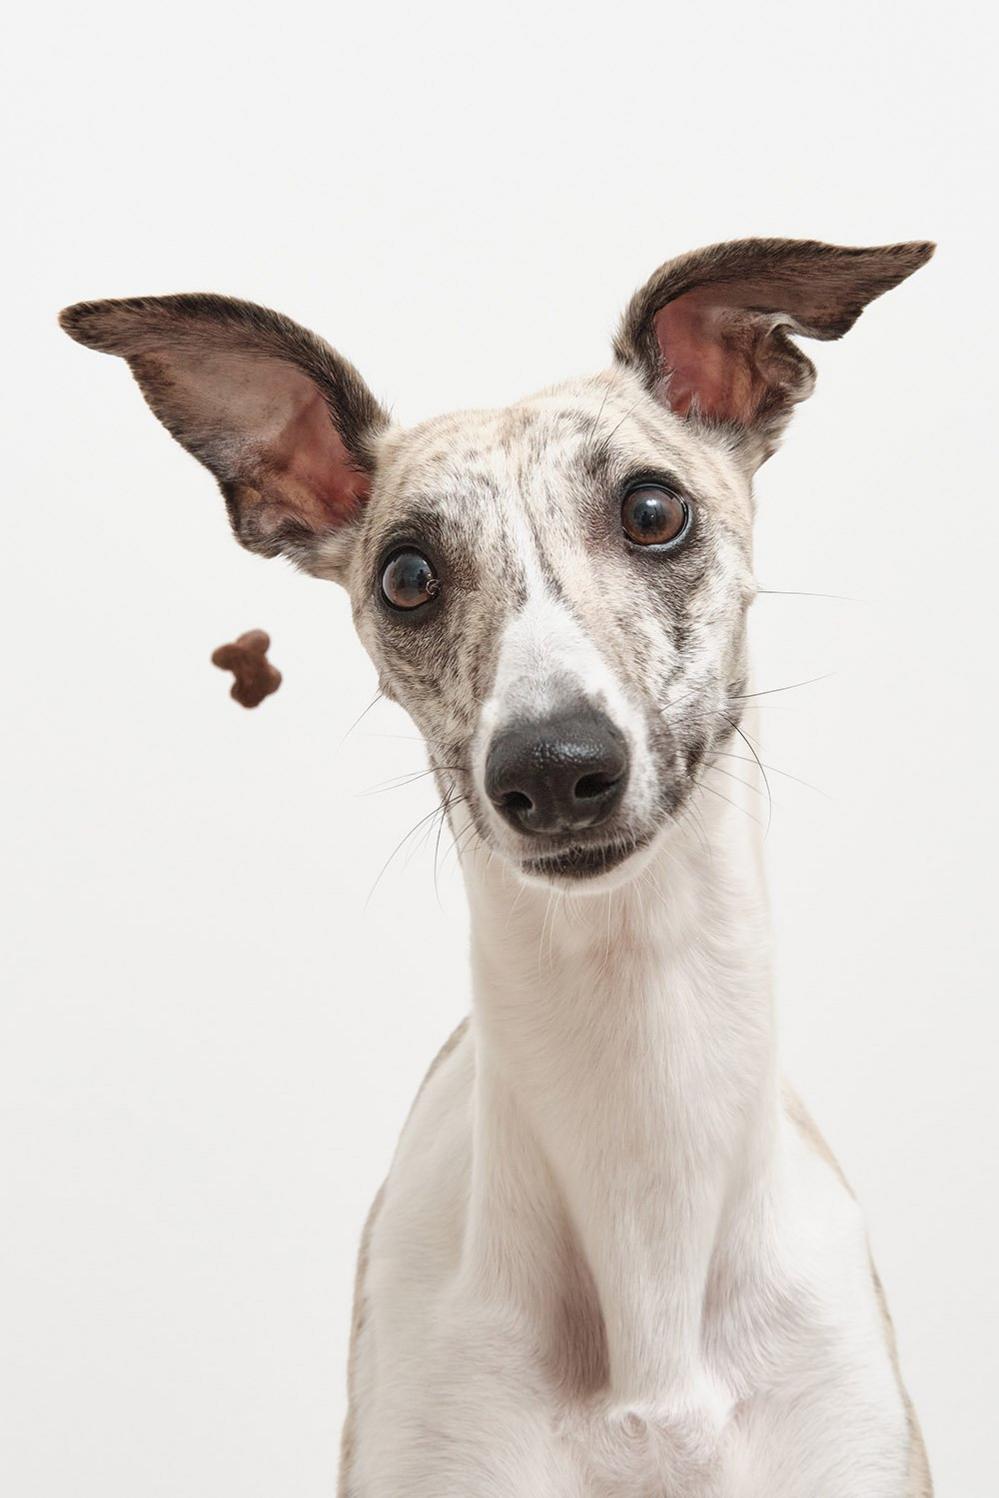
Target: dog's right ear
(284, 423)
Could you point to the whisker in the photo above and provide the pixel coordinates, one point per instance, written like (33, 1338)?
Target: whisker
(657, 887)
(361, 716)
(786, 774)
(752, 750)
(448, 803)
(714, 791)
(700, 828)
(401, 844)
(440, 813)
(791, 687)
(397, 782)
(719, 712)
(675, 702)
(596, 420)
(720, 770)
(794, 593)
(624, 418)
(517, 897)
(458, 846)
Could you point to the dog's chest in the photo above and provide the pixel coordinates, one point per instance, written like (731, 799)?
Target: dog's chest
(631, 1457)
(469, 1385)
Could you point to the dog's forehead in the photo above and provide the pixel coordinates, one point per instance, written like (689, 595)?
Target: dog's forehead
(533, 462)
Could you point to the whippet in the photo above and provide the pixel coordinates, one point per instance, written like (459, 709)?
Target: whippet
(612, 1256)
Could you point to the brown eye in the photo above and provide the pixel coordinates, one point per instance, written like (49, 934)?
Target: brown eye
(653, 516)
(408, 580)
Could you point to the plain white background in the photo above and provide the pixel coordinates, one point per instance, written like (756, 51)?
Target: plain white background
(212, 1028)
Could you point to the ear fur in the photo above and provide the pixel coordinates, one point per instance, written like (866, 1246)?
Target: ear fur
(282, 420)
(710, 330)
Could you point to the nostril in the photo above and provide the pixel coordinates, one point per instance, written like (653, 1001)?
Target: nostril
(589, 787)
(516, 804)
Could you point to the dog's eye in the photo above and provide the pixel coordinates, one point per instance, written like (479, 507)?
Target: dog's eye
(654, 516)
(409, 581)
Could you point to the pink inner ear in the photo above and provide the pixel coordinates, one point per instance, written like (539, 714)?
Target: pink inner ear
(263, 423)
(318, 478)
(709, 356)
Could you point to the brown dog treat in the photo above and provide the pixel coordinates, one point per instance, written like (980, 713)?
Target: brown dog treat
(247, 659)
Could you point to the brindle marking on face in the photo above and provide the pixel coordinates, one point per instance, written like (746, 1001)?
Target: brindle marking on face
(526, 501)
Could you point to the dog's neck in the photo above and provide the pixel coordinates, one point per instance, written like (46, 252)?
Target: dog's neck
(627, 1098)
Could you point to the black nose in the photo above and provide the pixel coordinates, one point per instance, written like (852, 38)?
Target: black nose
(559, 775)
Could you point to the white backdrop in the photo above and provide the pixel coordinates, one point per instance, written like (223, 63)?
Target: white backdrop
(211, 1034)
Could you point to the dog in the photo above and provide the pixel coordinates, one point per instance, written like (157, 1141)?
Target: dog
(612, 1256)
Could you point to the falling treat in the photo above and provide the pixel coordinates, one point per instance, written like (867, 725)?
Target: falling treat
(247, 659)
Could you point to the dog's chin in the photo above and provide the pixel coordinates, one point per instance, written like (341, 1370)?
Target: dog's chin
(588, 868)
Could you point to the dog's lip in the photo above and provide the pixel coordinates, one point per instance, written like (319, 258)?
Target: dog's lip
(583, 860)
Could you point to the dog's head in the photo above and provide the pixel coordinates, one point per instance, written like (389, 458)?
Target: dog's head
(555, 591)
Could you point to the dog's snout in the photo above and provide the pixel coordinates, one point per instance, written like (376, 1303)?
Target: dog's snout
(560, 775)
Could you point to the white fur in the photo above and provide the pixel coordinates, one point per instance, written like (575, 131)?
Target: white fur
(605, 1155)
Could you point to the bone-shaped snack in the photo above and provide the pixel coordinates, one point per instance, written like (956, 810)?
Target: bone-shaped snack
(247, 659)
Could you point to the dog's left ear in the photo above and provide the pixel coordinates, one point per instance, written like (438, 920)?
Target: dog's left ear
(709, 331)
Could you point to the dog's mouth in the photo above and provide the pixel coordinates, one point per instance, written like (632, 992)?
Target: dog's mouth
(581, 862)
